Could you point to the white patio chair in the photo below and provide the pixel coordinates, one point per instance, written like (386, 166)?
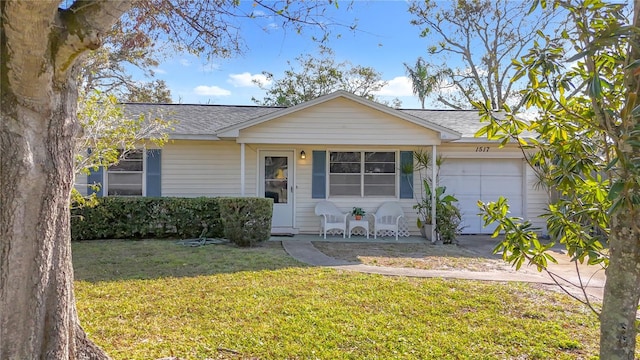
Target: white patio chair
(332, 218)
(387, 217)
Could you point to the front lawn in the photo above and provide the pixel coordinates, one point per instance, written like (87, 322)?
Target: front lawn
(154, 299)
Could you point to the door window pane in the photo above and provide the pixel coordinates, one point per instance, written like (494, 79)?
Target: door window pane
(276, 179)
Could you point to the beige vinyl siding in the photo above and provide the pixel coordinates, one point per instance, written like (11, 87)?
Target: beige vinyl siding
(339, 122)
(205, 168)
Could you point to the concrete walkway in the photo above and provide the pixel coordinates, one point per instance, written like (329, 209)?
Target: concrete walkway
(301, 248)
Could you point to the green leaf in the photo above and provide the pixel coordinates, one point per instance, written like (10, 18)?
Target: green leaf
(633, 65)
(615, 190)
(595, 88)
(611, 164)
(579, 55)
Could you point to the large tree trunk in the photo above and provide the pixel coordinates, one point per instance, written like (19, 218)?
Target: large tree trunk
(39, 46)
(622, 289)
(38, 318)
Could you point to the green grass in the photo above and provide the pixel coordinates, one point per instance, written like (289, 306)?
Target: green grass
(153, 299)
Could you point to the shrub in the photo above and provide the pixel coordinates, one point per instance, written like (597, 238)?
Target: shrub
(146, 217)
(246, 221)
(448, 216)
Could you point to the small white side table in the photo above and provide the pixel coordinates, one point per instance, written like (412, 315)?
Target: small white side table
(364, 223)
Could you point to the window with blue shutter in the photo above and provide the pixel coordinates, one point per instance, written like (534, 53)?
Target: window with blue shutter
(319, 175)
(154, 183)
(406, 174)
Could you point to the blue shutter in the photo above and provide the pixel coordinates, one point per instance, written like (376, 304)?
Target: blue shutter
(319, 175)
(154, 183)
(95, 177)
(406, 179)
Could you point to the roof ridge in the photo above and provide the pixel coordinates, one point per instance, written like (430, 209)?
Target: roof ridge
(270, 106)
(204, 105)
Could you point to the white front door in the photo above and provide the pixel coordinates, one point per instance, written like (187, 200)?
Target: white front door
(276, 172)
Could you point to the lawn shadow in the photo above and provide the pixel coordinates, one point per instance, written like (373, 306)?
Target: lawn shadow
(472, 252)
(469, 253)
(116, 260)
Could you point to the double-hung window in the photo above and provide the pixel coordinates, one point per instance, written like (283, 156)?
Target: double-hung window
(362, 173)
(126, 177)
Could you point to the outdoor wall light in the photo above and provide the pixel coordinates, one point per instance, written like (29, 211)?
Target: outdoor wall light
(303, 155)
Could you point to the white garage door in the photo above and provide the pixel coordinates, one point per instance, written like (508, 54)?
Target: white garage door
(470, 180)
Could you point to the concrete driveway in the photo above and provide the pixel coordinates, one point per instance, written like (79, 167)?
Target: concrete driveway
(564, 272)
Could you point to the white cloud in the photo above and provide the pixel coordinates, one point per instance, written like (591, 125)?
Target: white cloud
(398, 86)
(185, 62)
(246, 79)
(159, 71)
(211, 91)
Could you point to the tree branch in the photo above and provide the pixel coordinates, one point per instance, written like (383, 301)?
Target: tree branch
(81, 27)
(449, 104)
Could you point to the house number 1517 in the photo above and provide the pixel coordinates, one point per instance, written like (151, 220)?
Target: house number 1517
(482, 149)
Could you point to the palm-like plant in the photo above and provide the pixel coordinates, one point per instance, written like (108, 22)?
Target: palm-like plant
(423, 83)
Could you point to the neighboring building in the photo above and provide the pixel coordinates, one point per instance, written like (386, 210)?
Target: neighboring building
(338, 147)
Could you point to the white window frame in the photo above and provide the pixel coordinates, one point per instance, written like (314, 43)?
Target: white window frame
(144, 176)
(363, 174)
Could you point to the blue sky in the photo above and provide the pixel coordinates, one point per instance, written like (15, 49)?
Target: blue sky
(384, 39)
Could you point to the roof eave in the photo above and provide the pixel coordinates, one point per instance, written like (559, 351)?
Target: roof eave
(193, 137)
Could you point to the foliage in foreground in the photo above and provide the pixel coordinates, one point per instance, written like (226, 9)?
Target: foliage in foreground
(108, 136)
(586, 152)
(152, 299)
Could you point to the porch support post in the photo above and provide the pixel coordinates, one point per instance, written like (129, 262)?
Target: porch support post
(433, 193)
(242, 173)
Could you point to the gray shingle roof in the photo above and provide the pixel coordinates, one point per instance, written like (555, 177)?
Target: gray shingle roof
(198, 120)
(466, 122)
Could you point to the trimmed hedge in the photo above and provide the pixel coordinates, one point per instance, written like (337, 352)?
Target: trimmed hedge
(146, 217)
(246, 221)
